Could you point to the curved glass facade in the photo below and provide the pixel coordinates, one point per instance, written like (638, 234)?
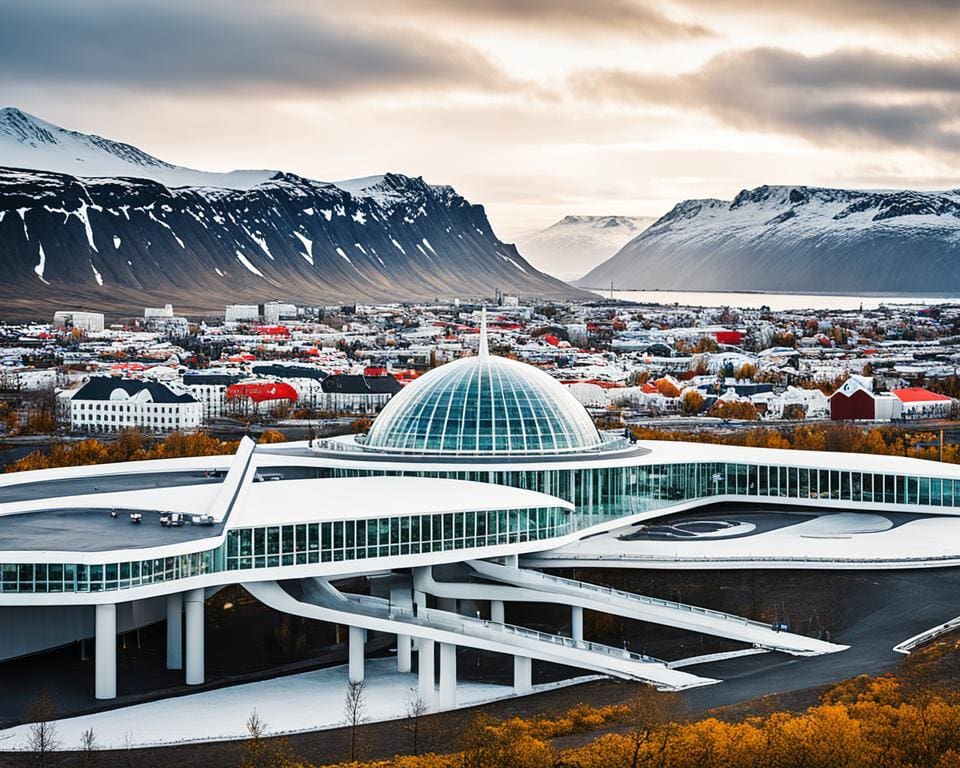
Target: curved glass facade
(484, 405)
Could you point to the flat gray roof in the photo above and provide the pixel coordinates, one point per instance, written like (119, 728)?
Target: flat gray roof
(92, 530)
(73, 486)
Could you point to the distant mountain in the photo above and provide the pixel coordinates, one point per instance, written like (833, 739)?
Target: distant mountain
(576, 244)
(807, 239)
(123, 242)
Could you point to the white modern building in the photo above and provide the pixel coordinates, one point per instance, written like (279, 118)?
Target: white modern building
(107, 404)
(484, 462)
(84, 321)
(239, 313)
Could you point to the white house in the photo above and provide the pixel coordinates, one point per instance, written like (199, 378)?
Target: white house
(106, 404)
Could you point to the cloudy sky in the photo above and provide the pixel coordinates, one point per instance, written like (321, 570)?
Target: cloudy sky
(536, 108)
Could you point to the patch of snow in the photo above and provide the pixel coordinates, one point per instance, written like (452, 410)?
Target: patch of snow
(327, 213)
(42, 265)
(359, 217)
(243, 260)
(427, 243)
(308, 701)
(116, 243)
(392, 240)
(308, 244)
(343, 255)
(96, 274)
(308, 211)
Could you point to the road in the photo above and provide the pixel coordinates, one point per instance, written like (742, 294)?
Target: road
(896, 606)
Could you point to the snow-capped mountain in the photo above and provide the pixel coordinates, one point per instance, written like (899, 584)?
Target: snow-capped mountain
(121, 243)
(29, 142)
(576, 244)
(810, 239)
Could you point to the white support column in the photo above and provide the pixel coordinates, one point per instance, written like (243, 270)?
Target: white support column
(404, 648)
(175, 631)
(576, 622)
(419, 605)
(448, 676)
(512, 561)
(193, 608)
(496, 611)
(105, 662)
(522, 674)
(402, 597)
(356, 654)
(425, 673)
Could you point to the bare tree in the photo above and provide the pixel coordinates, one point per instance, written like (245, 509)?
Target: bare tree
(416, 708)
(129, 760)
(254, 748)
(88, 749)
(355, 714)
(42, 736)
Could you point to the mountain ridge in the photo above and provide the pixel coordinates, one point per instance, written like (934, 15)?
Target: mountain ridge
(796, 238)
(120, 242)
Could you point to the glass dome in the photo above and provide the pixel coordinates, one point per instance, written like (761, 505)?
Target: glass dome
(484, 404)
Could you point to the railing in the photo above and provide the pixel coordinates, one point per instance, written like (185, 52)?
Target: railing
(463, 624)
(644, 599)
(607, 443)
(739, 559)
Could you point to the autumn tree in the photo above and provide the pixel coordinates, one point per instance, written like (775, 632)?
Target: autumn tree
(271, 436)
(667, 388)
(691, 402)
(734, 409)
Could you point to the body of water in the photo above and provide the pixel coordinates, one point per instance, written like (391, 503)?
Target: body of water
(776, 301)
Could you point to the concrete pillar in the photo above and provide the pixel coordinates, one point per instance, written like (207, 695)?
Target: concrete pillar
(105, 662)
(419, 609)
(576, 622)
(448, 676)
(193, 608)
(496, 611)
(522, 674)
(425, 672)
(175, 631)
(404, 648)
(356, 654)
(512, 561)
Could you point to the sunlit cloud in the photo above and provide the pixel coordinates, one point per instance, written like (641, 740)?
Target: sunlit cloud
(535, 108)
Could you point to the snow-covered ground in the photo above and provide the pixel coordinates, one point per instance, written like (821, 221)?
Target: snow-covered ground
(305, 702)
(840, 537)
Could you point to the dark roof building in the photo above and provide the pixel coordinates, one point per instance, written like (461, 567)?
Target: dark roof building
(103, 387)
(354, 384)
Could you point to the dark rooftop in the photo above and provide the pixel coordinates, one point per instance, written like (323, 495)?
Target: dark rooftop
(101, 387)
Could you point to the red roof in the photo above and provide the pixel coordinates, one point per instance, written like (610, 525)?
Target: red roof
(919, 395)
(261, 391)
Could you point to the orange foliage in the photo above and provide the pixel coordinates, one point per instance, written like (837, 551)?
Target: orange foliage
(129, 446)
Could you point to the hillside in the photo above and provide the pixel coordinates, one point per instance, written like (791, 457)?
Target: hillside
(797, 239)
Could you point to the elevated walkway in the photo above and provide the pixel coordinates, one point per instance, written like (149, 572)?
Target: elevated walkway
(320, 600)
(547, 588)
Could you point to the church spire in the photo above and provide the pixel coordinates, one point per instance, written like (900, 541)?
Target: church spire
(484, 349)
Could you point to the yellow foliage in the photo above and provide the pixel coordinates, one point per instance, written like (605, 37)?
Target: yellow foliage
(129, 446)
